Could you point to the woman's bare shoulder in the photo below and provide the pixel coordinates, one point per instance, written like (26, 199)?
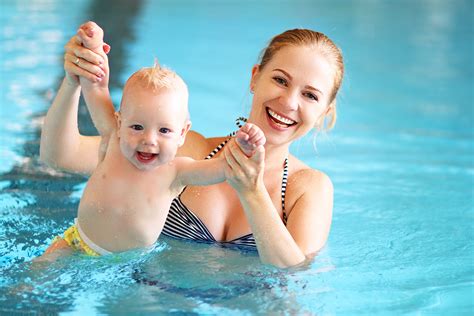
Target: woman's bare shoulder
(197, 146)
(308, 188)
(304, 179)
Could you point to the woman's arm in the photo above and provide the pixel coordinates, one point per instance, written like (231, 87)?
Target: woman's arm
(61, 144)
(309, 220)
(96, 93)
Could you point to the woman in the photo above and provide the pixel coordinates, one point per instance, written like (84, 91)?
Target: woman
(286, 218)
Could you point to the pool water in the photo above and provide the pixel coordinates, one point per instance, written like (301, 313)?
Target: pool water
(401, 159)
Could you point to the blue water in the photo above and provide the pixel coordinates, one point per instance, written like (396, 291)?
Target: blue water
(401, 159)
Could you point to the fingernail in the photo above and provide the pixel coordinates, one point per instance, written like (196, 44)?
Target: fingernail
(106, 48)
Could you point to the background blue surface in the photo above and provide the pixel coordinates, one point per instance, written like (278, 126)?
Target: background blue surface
(400, 157)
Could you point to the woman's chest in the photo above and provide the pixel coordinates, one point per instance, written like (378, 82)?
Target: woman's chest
(219, 208)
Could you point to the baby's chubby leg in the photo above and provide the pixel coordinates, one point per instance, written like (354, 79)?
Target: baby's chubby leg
(59, 248)
(249, 137)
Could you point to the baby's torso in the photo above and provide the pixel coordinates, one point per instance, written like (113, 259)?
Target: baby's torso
(122, 207)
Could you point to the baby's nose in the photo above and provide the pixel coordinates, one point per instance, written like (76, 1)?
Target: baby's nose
(150, 139)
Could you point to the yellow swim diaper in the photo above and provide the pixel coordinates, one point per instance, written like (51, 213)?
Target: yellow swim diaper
(74, 240)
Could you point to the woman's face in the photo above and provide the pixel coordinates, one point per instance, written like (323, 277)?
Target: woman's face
(291, 93)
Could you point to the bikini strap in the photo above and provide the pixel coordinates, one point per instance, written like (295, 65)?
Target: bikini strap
(283, 189)
(238, 122)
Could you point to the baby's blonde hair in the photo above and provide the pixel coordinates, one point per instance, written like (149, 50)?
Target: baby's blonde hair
(158, 77)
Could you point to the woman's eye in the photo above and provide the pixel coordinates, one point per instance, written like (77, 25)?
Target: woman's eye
(165, 130)
(280, 80)
(311, 96)
(136, 127)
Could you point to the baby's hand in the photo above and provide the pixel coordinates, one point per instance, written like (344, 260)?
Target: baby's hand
(249, 137)
(92, 36)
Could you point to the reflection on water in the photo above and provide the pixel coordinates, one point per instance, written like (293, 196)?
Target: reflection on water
(400, 158)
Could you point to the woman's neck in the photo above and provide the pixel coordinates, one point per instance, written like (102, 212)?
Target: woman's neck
(275, 155)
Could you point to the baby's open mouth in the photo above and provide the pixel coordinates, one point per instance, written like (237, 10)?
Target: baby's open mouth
(145, 157)
(278, 119)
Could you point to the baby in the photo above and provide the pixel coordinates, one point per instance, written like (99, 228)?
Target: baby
(127, 198)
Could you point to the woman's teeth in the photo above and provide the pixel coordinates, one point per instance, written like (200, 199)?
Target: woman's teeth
(280, 119)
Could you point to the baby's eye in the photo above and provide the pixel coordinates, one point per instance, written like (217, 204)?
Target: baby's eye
(137, 127)
(165, 130)
(311, 96)
(280, 80)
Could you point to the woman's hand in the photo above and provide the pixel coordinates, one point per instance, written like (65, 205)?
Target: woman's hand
(82, 62)
(244, 173)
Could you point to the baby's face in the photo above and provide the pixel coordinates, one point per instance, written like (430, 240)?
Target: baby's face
(152, 126)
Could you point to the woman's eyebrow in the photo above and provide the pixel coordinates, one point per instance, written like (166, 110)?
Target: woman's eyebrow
(314, 89)
(290, 77)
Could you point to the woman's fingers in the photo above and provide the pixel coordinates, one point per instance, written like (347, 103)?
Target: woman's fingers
(231, 162)
(106, 47)
(259, 156)
(86, 67)
(238, 155)
(73, 66)
(74, 46)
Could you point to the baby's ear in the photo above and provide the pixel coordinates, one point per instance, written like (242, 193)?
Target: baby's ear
(184, 131)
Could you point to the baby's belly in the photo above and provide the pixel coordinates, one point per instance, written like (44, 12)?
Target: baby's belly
(119, 218)
(119, 233)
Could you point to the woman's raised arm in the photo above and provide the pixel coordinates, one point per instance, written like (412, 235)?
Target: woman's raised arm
(62, 146)
(309, 219)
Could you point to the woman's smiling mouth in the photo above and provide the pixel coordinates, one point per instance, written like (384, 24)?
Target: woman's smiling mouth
(279, 120)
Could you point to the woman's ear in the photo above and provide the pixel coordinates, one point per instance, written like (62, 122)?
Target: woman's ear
(253, 80)
(327, 113)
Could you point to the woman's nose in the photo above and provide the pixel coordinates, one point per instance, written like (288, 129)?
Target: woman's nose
(289, 99)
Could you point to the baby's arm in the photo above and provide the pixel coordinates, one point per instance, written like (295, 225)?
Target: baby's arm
(96, 94)
(211, 171)
(199, 172)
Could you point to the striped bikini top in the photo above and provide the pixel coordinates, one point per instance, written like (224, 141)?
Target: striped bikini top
(183, 224)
